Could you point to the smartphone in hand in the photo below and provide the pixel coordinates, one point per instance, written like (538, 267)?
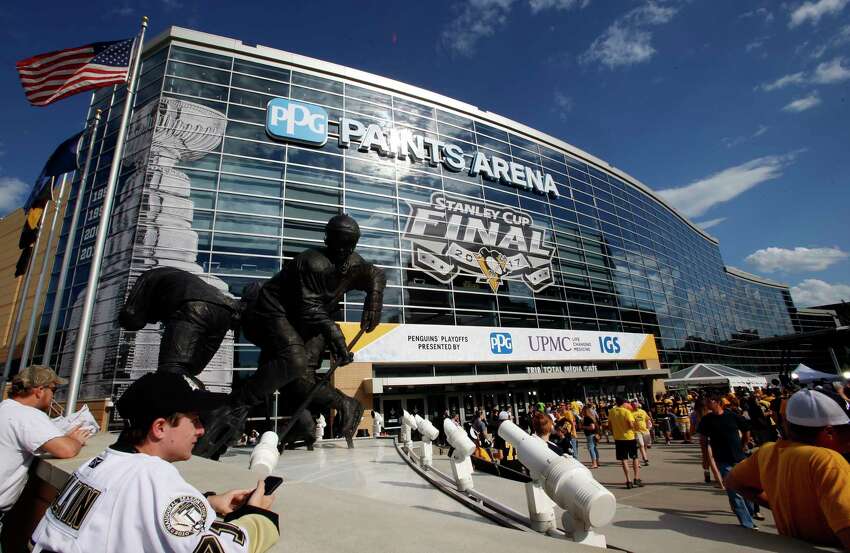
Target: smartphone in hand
(272, 483)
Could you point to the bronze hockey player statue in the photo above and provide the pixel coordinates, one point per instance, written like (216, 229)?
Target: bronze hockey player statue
(290, 317)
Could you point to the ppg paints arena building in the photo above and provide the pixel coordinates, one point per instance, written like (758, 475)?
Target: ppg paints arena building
(519, 267)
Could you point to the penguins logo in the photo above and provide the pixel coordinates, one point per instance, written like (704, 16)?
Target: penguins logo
(493, 265)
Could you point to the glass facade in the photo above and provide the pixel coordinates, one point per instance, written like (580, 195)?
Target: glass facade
(208, 190)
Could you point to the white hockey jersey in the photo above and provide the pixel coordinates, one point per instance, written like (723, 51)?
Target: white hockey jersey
(121, 501)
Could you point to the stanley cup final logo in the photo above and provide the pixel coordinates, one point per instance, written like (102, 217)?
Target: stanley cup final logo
(454, 236)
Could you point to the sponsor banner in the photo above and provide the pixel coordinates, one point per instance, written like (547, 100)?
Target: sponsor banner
(398, 343)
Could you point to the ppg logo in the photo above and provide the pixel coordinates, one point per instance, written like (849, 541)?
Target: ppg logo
(501, 343)
(609, 344)
(297, 121)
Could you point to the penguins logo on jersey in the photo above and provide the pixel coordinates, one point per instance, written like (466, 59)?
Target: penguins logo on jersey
(185, 516)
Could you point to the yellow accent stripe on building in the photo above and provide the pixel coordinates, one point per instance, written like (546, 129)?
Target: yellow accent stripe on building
(350, 330)
(647, 351)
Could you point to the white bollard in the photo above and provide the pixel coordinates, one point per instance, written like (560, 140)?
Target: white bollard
(460, 459)
(265, 455)
(429, 434)
(319, 433)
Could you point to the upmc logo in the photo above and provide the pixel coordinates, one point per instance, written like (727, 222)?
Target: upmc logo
(297, 121)
(501, 343)
(609, 344)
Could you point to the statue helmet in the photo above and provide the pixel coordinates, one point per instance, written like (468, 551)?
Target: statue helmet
(341, 224)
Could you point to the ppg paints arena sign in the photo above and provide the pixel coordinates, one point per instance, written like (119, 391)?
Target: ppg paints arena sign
(450, 236)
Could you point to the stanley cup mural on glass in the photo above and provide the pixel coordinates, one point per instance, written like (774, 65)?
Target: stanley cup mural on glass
(153, 217)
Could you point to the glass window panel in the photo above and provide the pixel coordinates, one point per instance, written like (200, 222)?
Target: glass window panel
(247, 114)
(204, 58)
(378, 112)
(314, 159)
(249, 98)
(204, 241)
(499, 148)
(363, 201)
(313, 194)
(456, 120)
(304, 231)
(232, 183)
(201, 179)
(249, 204)
(253, 167)
(428, 316)
(366, 94)
(373, 169)
(192, 88)
(501, 196)
(260, 70)
(235, 243)
(316, 82)
(254, 149)
(465, 188)
(373, 219)
(198, 73)
(379, 257)
(260, 85)
(244, 265)
(202, 219)
(484, 128)
(313, 175)
(409, 120)
(202, 199)
(367, 184)
(317, 97)
(450, 132)
(245, 130)
(369, 237)
(413, 107)
(299, 210)
(249, 225)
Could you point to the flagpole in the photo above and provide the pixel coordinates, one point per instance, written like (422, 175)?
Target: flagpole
(41, 277)
(69, 247)
(102, 228)
(10, 353)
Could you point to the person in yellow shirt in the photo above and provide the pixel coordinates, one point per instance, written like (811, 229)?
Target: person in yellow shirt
(644, 423)
(623, 427)
(804, 479)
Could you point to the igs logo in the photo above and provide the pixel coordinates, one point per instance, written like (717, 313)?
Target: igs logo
(501, 343)
(609, 344)
(297, 121)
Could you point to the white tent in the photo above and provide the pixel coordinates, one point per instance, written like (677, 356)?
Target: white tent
(703, 374)
(804, 375)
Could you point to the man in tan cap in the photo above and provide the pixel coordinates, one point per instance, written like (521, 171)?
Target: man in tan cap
(25, 430)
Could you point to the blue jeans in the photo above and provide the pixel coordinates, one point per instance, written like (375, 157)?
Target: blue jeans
(742, 508)
(591, 448)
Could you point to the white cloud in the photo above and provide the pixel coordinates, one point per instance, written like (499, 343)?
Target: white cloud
(540, 5)
(13, 193)
(731, 142)
(478, 19)
(795, 261)
(841, 38)
(698, 197)
(830, 72)
(755, 44)
(705, 225)
(782, 82)
(563, 104)
(764, 13)
(802, 104)
(813, 11)
(813, 292)
(627, 41)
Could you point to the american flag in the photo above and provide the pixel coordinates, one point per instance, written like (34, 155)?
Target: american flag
(53, 76)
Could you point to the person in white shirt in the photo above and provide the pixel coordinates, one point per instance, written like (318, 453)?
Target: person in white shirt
(132, 498)
(26, 430)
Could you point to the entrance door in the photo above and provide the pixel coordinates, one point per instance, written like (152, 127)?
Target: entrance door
(436, 408)
(392, 413)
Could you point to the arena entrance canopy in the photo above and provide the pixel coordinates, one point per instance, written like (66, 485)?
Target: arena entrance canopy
(703, 374)
(804, 375)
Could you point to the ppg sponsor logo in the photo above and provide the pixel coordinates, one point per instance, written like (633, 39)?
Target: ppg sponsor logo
(609, 344)
(501, 343)
(297, 121)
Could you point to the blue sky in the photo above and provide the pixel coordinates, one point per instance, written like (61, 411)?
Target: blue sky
(736, 111)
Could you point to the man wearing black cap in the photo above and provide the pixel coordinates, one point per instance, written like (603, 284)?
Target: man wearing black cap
(804, 479)
(291, 319)
(131, 498)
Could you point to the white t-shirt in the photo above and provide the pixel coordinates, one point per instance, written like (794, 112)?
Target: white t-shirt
(23, 430)
(121, 501)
